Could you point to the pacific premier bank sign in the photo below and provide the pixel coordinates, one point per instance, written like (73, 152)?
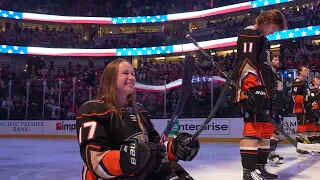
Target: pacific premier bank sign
(21, 127)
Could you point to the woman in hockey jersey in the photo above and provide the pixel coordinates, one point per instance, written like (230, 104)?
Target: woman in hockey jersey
(117, 139)
(254, 75)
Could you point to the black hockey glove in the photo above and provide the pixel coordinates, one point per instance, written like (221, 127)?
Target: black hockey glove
(309, 98)
(256, 97)
(136, 157)
(183, 148)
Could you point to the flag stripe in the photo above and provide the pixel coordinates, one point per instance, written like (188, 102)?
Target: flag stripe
(142, 19)
(209, 12)
(72, 21)
(65, 19)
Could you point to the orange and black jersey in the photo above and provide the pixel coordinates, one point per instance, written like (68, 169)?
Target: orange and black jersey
(101, 134)
(314, 92)
(252, 66)
(298, 91)
(279, 101)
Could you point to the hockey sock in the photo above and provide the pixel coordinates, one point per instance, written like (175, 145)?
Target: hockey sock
(249, 154)
(274, 140)
(273, 144)
(263, 151)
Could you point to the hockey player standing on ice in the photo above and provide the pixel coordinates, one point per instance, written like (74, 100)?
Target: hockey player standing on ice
(278, 111)
(117, 139)
(302, 107)
(315, 94)
(254, 75)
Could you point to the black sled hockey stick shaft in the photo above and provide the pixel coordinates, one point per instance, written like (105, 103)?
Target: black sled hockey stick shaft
(293, 142)
(185, 87)
(215, 108)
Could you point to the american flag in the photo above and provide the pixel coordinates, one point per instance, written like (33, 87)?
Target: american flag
(225, 9)
(11, 14)
(261, 3)
(295, 33)
(158, 50)
(145, 51)
(13, 49)
(140, 19)
(177, 83)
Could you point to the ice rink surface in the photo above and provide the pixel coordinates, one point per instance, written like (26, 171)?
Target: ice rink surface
(59, 159)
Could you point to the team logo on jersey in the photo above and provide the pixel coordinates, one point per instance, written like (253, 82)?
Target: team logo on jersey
(133, 117)
(139, 137)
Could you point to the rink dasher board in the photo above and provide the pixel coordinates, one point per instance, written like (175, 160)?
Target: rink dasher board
(219, 129)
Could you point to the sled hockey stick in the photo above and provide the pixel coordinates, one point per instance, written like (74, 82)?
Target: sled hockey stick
(215, 108)
(293, 142)
(185, 87)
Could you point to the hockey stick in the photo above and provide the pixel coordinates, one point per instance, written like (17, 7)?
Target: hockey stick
(293, 142)
(185, 87)
(215, 108)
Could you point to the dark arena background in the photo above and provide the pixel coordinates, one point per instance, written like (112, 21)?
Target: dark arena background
(52, 54)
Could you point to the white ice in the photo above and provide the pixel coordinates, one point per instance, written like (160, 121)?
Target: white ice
(59, 159)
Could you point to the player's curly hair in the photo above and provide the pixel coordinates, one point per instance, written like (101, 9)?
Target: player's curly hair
(272, 16)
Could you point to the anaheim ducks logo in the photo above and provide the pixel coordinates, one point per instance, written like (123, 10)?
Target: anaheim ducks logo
(139, 137)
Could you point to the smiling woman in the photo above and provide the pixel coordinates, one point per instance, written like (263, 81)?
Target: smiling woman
(117, 138)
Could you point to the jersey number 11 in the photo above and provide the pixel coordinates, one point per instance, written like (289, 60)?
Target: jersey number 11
(247, 47)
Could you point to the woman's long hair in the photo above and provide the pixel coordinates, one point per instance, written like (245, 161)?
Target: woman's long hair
(108, 93)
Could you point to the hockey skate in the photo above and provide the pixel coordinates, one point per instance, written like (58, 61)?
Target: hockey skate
(250, 175)
(262, 172)
(274, 159)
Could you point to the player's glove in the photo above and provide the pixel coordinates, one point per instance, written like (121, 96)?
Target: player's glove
(256, 97)
(183, 148)
(309, 98)
(136, 157)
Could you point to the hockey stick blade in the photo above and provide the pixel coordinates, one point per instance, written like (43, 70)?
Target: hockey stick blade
(308, 147)
(215, 108)
(185, 87)
(293, 142)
